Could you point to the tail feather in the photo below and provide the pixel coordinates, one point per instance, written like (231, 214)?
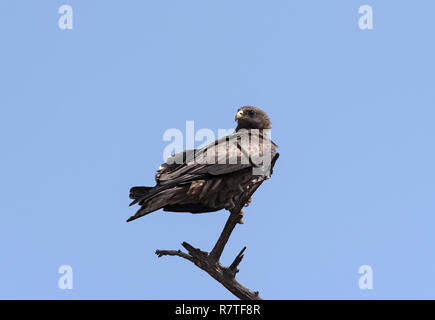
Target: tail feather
(145, 196)
(140, 213)
(150, 200)
(138, 194)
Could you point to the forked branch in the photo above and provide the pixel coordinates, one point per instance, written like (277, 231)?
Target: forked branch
(209, 262)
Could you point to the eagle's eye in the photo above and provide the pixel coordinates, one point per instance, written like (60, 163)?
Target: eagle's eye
(250, 112)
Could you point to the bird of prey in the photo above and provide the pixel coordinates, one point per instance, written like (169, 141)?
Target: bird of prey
(216, 176)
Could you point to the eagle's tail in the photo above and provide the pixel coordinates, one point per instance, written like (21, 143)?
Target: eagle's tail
(138, 194)
(149, 199)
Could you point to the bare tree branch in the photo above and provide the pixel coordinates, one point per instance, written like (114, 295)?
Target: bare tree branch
(209, 262)
(234, 218)
(233, 267)
(161, 253)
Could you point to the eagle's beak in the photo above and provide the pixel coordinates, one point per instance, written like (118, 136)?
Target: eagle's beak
(239, 115)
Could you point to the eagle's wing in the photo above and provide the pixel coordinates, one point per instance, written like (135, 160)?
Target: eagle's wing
(234, 159)
(228, 154)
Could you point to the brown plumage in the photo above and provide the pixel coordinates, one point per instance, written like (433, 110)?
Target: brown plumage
(214, 177)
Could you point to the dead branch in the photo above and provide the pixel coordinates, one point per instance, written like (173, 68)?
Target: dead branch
(209, 262)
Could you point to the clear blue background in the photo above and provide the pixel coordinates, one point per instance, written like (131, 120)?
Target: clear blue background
(83, 113)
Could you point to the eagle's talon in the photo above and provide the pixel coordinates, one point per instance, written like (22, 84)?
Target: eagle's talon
(248, 202)
(241, 218)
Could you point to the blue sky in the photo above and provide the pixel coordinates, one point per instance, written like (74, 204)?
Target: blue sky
(83, 113)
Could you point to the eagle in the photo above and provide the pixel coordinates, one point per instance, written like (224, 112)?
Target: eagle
(216, 176)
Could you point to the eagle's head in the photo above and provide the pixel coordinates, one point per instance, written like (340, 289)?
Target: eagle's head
(249, 117)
